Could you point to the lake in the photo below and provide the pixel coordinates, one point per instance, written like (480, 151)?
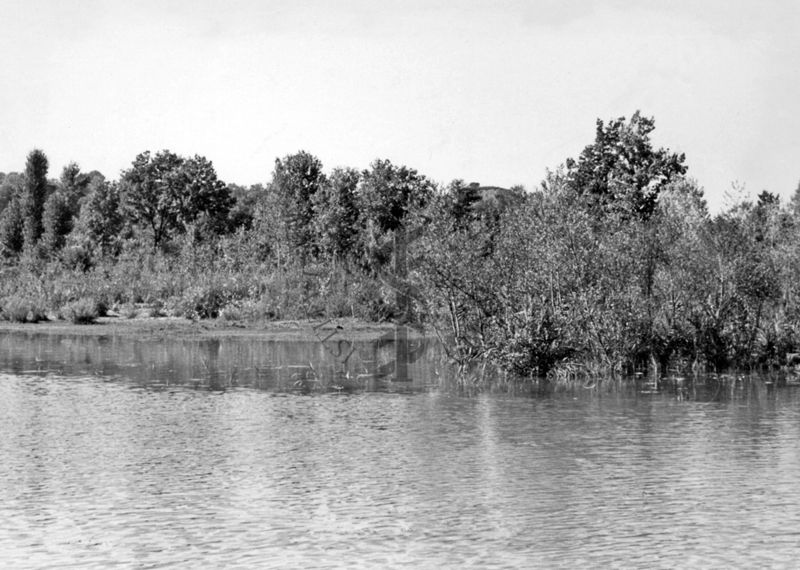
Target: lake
(243, 453)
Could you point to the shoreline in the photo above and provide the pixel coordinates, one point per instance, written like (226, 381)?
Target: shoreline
(183, 328)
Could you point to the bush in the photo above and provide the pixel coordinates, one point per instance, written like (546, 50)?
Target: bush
(202, 302)
(81, 312)
(21, 310)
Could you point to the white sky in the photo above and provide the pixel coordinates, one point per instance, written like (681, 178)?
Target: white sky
(494, 92)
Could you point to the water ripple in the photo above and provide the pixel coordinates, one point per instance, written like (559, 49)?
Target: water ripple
(98, 471)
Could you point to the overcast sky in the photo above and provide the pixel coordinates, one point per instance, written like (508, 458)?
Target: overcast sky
(495, 92)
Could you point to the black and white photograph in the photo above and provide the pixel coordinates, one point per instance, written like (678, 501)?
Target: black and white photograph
(341, 284)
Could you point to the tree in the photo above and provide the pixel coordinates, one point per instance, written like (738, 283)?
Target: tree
(57, 221)
(295, 181)
(74, 185)
(204, 200)
(12, 229)
(245, 201)
(101, 221)
(389, 193)
(621, 170)
(168, 194)
(12, 186)
(34, 196)
(336, 213)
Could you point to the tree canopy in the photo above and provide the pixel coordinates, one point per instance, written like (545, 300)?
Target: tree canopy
(295, 180)
(621, 170)
(167, 193)
(390, 192)
(34, 196)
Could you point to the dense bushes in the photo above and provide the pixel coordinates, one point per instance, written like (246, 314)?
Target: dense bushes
(562, 288)
(612, 265)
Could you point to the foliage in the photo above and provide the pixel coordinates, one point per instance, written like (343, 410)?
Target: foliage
(167, 194)
(74, 185)
(34, 196)
(22, 309)
(11, 188)
(12, 236)
(460, 200)
(337, 214)
(84, 311)
(613, 264)
(202, 302)
(389, 193)
(245, 201)
(622, 170)
(57, 221)
(295, 180)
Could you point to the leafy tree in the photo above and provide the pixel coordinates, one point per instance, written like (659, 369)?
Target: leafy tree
(57, 221)
(149, 188)
(34, 196)
(167, 194)
(74, 186)
(295, 180)
(205, 200)
(12, 229)
(101, 222)
(621, 170)
(12, 186)
(389, 193)
(245, 201)
(393, 199)
(337, 213)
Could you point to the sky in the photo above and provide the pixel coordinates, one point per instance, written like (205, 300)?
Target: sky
(491, 92)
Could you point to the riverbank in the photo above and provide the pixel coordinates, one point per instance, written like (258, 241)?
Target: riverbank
(179, 327)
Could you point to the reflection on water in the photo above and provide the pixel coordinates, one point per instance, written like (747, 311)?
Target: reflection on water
(331, 361)
(104, 461)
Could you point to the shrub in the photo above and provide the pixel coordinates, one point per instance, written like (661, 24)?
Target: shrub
(84, 311)
(202, 302)
(21, 310)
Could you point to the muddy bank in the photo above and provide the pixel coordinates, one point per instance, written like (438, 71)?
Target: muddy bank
(173, 327)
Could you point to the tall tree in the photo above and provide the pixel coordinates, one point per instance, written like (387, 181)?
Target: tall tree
(74, 185)
(101, 222)
(11, 187)
(337, 213)
(389, 193)
(295, 180)
(11, 229)
(621, 170)
(34, 196)
(56, 220)
(166, 194)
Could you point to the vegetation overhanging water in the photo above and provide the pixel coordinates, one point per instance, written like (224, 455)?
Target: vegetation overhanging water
(612, 266)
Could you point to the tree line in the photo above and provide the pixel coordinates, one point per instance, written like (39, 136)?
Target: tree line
(613, 263)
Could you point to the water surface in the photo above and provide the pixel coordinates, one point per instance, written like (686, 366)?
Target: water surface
(128, 453)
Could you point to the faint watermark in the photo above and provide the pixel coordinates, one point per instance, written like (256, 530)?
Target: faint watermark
(408, 346)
